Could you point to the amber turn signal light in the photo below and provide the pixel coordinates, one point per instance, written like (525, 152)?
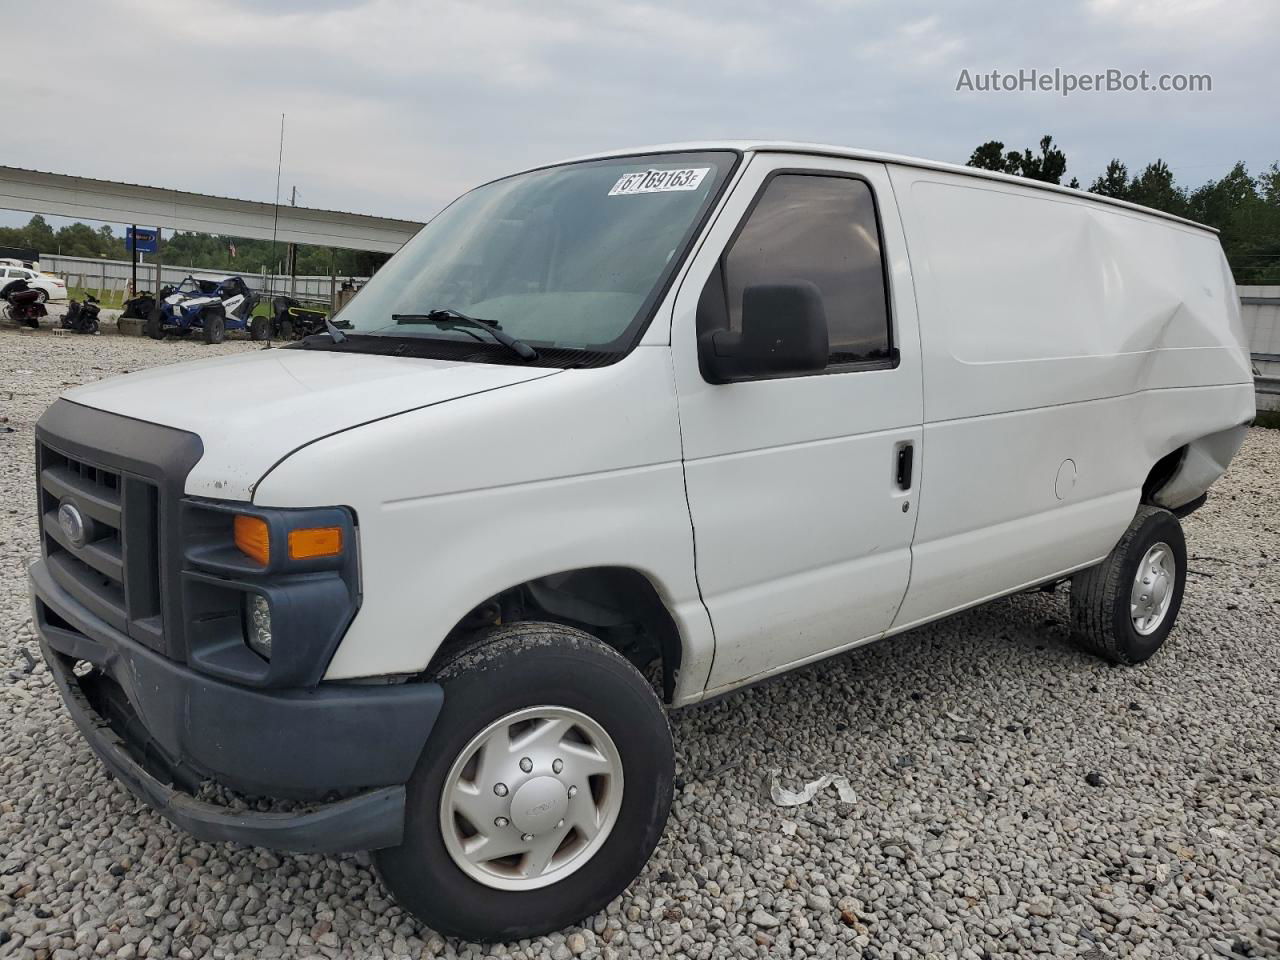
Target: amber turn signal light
(253, 538)
(315, 542)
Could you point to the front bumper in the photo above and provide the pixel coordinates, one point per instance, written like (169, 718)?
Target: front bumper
(162, 728)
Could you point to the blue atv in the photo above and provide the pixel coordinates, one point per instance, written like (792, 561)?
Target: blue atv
(210, 306)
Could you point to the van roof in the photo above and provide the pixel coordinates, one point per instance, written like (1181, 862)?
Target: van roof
(874, 156)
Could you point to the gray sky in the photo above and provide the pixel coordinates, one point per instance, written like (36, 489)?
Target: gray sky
(394, 106)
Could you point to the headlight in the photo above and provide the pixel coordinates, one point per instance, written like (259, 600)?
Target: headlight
(258, 624)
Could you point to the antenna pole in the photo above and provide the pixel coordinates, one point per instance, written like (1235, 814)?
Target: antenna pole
(275, 213)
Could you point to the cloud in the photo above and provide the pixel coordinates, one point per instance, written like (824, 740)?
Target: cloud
(395, 106)
(1192, 24)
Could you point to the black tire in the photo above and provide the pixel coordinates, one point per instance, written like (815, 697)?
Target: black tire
(42, 296)
(528, 665)
(259, 328)
(1101, 616)
(154, 327)
(214, 325)
(286, 329)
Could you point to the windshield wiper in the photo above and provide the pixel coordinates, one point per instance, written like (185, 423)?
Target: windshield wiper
(450, 319)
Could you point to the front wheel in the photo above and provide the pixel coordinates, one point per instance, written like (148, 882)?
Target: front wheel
(154, 326)
(42, 296)
(542, 791)
(259, 328)
(214, 325)
(1124, 608)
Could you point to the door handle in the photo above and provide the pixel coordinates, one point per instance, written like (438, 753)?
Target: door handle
(906, 454)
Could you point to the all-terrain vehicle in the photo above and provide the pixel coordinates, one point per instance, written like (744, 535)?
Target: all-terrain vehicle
(140, 305)
(289, 320)
(211, 306)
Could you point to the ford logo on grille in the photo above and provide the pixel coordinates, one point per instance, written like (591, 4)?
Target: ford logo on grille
(72, 523)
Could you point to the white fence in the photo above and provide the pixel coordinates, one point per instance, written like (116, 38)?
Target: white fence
(1260, 311)
(113, 276)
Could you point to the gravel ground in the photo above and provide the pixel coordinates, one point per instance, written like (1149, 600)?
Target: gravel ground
(1015, 797)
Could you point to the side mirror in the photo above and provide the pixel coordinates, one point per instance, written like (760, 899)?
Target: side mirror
(784, 330)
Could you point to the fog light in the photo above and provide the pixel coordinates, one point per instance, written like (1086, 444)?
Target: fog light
(258, 624)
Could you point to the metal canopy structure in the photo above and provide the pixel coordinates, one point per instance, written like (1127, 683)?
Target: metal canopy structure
(84, 199)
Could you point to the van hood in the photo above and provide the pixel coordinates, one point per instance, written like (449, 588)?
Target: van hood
(253, 409)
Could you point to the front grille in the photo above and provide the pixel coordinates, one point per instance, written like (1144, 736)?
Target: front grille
(113, 569)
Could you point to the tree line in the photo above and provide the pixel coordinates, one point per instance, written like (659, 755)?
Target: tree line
(199, 250)
(1244, 209)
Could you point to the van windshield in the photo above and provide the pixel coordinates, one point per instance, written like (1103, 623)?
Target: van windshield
(568, 257)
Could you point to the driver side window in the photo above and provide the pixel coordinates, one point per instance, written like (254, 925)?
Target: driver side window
(818, 228)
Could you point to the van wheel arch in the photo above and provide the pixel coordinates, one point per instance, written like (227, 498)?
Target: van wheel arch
(1161, 473)
(1180, 480)
(620, 606)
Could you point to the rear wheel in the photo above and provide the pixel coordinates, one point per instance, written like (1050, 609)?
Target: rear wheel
(1125, 607)
(542, 791)
(153, 327)
(214, 325)
(286, 329)
(259, 327)
(42, 296)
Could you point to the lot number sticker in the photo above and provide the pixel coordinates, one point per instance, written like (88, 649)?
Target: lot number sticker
(659, 181)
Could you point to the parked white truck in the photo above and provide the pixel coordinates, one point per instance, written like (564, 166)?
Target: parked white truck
(624, 432)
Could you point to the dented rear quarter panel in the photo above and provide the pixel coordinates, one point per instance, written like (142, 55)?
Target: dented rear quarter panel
(1053, 328)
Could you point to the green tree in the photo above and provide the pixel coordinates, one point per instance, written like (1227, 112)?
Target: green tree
(1048, 165)
(39, 234)
(78, 240)
(1155, 188)
(1269, 184)
(1246, 214)
(1114, 182)
(989, 156)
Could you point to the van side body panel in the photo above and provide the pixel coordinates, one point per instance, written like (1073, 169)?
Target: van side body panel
(1067, 346)
(473, 498)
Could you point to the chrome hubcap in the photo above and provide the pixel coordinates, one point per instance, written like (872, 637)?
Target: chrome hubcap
(531, 798)
(1152, 589)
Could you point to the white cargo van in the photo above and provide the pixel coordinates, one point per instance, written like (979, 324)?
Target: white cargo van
(606, 437)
